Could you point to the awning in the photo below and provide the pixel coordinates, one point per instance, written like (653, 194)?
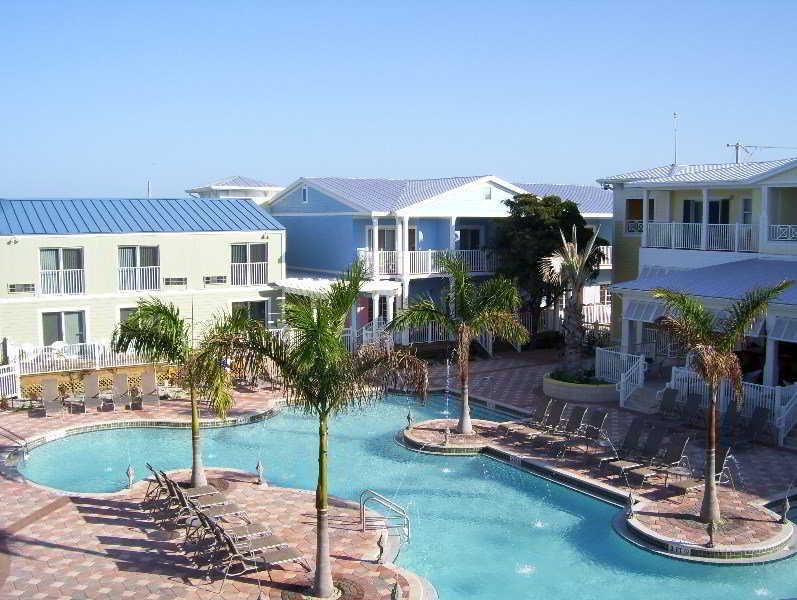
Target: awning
(784, 329)
(311, 286)
(647, 312)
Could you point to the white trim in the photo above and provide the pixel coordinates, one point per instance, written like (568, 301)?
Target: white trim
(369, 228)
(320, 214)
(497, 181)
(302, 181)
(140, 233)
(221, 289)
(311, 270)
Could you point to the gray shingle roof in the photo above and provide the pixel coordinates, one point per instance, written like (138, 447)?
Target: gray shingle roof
(591, 199)
(389, 194)
(701, 173)
(116, 215)
(236, 181)
(728, 280)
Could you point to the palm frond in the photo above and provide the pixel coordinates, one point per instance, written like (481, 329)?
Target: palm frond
(155, 330)
(502, 324)
(420, 314)
(752, 306)
(688, 321)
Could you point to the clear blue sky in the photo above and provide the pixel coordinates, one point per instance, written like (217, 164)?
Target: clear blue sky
(98, 96)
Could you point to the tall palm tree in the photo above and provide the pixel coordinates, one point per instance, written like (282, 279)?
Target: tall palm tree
(711, 343)
(322, 378)
(473, 309)
(569, 269)
(157, 331)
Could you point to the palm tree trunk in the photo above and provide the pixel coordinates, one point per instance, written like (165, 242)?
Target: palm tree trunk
(197, 468)
(322, 581)
(464, 425)
(710, 509)
(572, 332)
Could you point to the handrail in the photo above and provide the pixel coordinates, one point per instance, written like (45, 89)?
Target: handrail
(787, 418)
(368, 495)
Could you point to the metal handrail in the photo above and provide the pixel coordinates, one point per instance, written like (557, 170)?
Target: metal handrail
(400, 512)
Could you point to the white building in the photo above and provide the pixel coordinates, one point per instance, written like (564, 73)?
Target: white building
(237, 186)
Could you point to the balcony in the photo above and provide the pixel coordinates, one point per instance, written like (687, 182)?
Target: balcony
(427, 262)
(253, 273)
(606, 261)
(62, 281)
(782, 233)
(139, 278)
(732, 237)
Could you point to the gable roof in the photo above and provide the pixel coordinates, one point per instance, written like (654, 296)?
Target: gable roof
(236, 182)
(708, 173)
(592, 200)
(115, 215)
(386, 195)
(728, 281)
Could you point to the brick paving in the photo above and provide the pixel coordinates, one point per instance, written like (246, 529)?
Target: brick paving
(82, 546)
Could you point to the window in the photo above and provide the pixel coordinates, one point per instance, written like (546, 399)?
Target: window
(693, 211)
(487, 193)
(139, 268)
(469, 238)
(633, 214)
(605, 294)
(747, 211)
(256, 310)
(249, 264)
(387, 238)
(125, 313)
(62, 271)
(67, 326)
(719, 211)
(305, 194)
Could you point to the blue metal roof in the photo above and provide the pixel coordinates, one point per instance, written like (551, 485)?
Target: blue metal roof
(591, 199)
(66, 216)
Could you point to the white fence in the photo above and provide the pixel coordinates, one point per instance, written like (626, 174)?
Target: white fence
(427, 262)
(685, 236)
(30, 360)
(782, 233)
(631, 380)
(254, 273)
(139, 278)
(611, 364)
(729, 237)
(62, 281)
(606, 260)
(9, 381)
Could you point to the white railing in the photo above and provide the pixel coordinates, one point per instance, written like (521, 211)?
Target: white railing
(721, 237)
(684, 236)
(62, 281)
(427, 262)
(430, 334)
(597, 313)
(139, 278)
(9, 381)
(634, 226)
(253, 273)
(606, 260)
(632, 380)
(787, 414)
(729, 237)
(389, 262)
(783, 233)
(611, 364)
(478, 261)
(71, 357)
(747, 237)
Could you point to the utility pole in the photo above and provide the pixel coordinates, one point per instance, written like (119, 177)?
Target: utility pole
(737, 146)
(747, 147)
(675, 138)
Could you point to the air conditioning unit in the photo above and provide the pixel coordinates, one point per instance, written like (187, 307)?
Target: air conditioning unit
(21, 288)
(215, 279)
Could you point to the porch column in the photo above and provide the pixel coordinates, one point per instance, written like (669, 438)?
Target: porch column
(763, 235)
(405, 302)
(452, 233)
(405, 245)
(375, 248)
(353, 318)
(704, 227)
(375, 306)
(771, 374)
(645, 217)
(627, 335)
(390, 303)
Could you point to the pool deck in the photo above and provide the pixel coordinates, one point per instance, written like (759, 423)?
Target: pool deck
(59, 545)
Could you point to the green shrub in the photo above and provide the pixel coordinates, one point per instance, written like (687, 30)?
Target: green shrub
(586, 377)
(547, 339)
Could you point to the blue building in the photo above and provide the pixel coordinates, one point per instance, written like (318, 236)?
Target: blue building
(401, 228)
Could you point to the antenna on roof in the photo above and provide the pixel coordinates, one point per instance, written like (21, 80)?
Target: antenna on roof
(147, 189)
(747, 147)
(675, 138)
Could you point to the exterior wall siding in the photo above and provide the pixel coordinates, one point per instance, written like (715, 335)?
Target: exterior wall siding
(317, 202)
(320, 243)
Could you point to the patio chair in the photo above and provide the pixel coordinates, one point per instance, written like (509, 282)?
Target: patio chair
(722, 474)
(120, 391)
(214, 504)
(93, 401)
(208, 528)
(572, 426)
(674, 457)
(650, 450)
(538, 411)
(668, 406)
(629, 445)
(52, 403)
(150, 394)
(553, 420)
(591, 433)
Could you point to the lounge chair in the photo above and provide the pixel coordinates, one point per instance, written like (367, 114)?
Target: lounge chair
(207, 528)
(591, 433)
(52, 403)
(150, 395)
(722, 474)
(628, 447)
(213, 504)
(645, 457)
(553, 420)
(92, 399)
(569, 430)
(537, 416)
(120, 392)
(674, 457)
(668, 406)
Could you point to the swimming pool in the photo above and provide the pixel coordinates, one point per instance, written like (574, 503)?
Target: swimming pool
(482, 530)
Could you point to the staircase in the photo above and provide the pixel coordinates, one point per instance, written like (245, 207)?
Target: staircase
(645, 399)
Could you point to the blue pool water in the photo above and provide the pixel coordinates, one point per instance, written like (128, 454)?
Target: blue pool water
(482, 530)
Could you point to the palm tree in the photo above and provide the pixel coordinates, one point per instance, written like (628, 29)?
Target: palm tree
(158, 332)
(711, 343)
(322, 378)
(568, 270)
(474, 309)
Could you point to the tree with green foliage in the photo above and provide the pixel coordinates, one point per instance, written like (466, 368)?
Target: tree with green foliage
(322, 378)
(711, 343)
(157, 331)
(528, 236)
(472, 309)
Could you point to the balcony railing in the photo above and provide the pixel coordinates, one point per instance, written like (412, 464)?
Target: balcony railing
(731, 237)
(606, 261)
(30, 359)
(139, 278)
(427, 262)
(254, 273)
(633, 226)
(63, 281)
(782, 233)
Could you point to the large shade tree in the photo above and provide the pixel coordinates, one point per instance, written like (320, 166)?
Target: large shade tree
(711, 343)
(321, 377)
(568, 269)
(468, 310)
(530, 234)
(157, 331)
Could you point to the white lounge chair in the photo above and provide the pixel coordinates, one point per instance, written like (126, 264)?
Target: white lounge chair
(150, 394)
(93, 400)
(51, 399)
(120, 391)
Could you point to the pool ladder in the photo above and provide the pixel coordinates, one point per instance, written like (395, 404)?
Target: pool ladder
(397, 517)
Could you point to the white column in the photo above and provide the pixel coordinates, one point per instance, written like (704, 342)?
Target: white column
(375, 306)
(704, 226)
(452, 233)
(353, 318)
(405, 244)
(771, 373)
(645, 217)
(405, 302)
(626, 335)
(391, 300)
(375, 248)
(764, 223)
